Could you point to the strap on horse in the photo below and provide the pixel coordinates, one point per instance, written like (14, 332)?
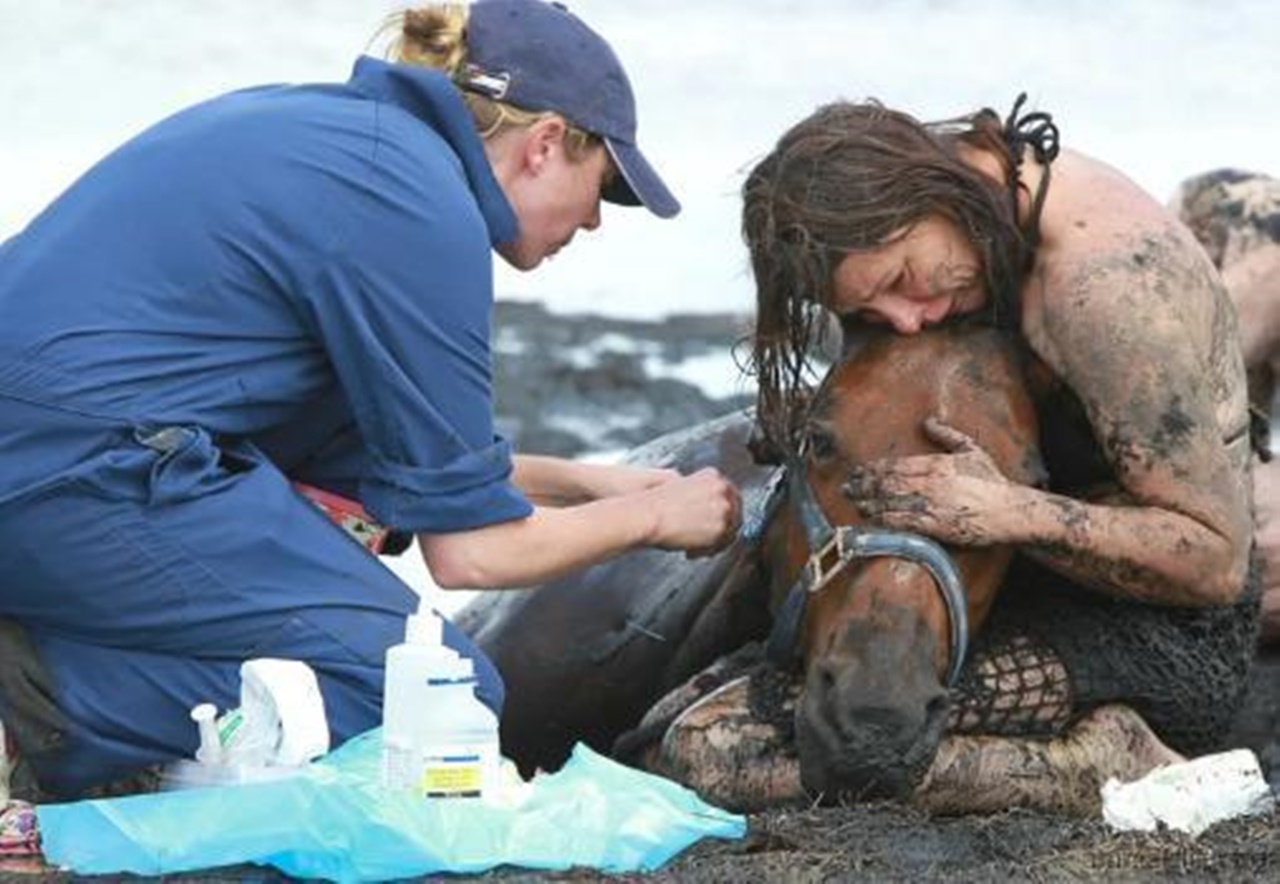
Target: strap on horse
(832, 549)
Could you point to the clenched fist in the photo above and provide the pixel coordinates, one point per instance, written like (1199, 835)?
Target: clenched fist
(699, 513)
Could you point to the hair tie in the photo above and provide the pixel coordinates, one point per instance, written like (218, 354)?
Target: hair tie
(1036, 129)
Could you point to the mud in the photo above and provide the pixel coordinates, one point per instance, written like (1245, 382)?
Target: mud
(888, 842)
(884, 842)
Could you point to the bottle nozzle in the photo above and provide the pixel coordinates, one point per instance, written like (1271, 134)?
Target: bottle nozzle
(205, 716)
(426, 628)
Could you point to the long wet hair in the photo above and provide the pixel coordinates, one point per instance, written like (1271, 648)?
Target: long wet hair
(850, 177)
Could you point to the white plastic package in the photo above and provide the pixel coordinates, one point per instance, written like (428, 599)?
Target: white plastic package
(1189, 796)
(284, 719)
(279, 727)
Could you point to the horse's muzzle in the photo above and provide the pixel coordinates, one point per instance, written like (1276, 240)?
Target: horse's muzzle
(866, 729)
(885, 757)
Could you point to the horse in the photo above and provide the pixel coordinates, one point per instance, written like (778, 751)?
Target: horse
(887, 616)
(873, 624)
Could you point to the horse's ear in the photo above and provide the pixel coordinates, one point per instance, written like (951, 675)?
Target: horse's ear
(764, 450)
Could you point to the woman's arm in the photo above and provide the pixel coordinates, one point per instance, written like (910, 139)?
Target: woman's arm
(1134, 330)
(699, 514)
(1123, 330)
(554, 481)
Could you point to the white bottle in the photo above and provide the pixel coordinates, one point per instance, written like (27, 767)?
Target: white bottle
(438, 739)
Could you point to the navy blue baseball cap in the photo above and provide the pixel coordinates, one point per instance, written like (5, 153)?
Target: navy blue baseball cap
(539, 56)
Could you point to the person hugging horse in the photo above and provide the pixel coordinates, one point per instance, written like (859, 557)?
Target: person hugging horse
(1131, 592)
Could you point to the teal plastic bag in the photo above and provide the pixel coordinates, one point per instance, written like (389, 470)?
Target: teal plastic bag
(335, 822)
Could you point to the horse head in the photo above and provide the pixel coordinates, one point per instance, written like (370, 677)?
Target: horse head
(878, 621)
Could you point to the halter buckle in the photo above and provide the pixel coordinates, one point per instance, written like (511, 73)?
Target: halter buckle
(825, 563)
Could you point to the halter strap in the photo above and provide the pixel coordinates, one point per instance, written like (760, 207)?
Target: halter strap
(831, 550)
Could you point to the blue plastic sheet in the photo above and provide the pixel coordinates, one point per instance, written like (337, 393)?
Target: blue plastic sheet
(335, 822)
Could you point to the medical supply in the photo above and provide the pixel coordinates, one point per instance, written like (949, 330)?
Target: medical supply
(279, 727)
(209, 751)
(439, 740)
(1189, 796)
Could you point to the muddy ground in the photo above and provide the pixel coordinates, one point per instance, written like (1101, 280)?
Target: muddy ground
(885, 842)
(891, 843)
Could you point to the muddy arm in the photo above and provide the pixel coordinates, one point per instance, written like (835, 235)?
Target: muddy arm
(1117, 332)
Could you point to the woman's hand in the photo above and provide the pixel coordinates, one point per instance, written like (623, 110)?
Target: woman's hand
(699, 513)
(960, 497)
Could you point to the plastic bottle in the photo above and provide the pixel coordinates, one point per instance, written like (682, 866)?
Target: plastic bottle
(438, 739)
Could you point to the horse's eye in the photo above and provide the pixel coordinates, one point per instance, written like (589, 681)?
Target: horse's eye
(822, 443)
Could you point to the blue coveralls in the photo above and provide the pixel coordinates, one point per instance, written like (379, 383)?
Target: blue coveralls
(291, 282)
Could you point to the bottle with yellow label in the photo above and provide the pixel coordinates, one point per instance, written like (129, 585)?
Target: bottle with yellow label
(439, 740)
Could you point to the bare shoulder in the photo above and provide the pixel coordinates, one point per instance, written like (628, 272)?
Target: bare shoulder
(1128, 311)
(1122, 286)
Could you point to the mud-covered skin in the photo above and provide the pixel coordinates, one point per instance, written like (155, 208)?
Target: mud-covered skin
(1236, 216)
(1125, 310)
(736, 750)
(978, 774)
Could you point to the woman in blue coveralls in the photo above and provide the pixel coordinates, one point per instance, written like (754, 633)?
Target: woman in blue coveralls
(294, 283)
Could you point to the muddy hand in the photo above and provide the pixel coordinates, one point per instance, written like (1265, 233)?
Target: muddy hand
(700, 513)
(955, 497)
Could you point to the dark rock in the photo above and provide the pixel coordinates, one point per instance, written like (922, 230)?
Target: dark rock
(569, 384)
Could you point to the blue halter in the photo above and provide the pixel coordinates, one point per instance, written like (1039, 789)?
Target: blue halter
(832, 549)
